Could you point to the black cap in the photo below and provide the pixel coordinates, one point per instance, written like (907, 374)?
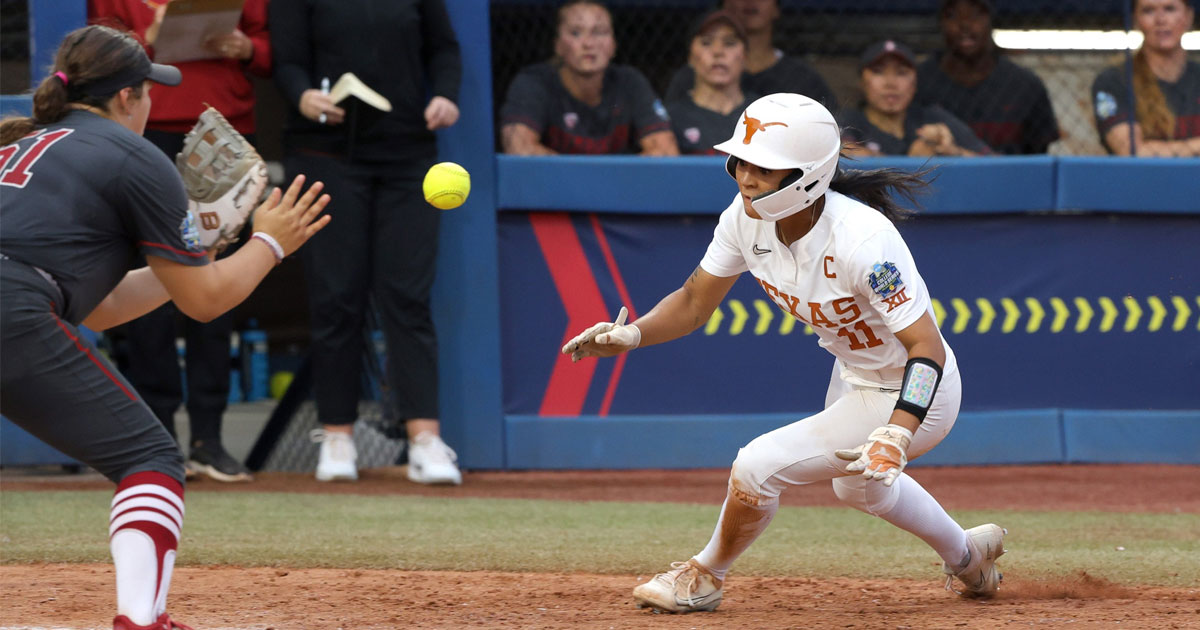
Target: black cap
(704, 22)
(882, 49)
(133, 75)
(164, 74)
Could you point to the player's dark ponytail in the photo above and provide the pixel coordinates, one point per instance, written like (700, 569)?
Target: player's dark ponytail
(86, 54)
(49, 105)
(877, 188)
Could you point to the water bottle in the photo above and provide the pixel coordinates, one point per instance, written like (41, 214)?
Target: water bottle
(181, 365)
(235, 374)
(255, 361)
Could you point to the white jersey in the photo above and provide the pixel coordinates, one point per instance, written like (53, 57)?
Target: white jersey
(851, 278)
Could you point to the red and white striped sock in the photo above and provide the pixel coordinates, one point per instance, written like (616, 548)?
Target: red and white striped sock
(144, 526)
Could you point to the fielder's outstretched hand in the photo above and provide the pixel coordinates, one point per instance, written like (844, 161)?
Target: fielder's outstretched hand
(884, 455)
(291, 218)
(605, 339)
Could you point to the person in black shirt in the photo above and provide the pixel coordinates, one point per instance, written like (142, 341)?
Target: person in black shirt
(384, 241)
(1004, 104)
(710, 109)
(767, 69)
(84, 195)
(1166, 114)
(579, 102)
(889, 123)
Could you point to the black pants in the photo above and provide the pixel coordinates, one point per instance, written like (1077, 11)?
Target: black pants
(58, 387)
(382, 241)
(153, 368)
(152, 365)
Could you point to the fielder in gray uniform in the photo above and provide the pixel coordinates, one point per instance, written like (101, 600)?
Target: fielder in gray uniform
(84, 193)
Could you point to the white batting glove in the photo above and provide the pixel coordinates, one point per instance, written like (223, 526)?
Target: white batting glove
(883, 456)
(605, 339)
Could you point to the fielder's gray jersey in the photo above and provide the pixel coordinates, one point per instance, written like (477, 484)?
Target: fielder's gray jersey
(81, 197)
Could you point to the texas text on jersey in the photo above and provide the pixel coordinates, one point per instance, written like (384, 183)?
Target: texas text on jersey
(851, 279)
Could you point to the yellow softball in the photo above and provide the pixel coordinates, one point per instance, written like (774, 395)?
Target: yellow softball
(446, 185)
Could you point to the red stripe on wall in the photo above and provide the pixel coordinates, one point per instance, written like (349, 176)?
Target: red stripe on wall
(623, 292)
(580, 295)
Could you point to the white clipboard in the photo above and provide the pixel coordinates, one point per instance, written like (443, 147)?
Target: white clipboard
(187, 24)
(350, 85)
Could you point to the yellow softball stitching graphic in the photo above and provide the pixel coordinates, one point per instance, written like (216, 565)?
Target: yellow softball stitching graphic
(1160, 312)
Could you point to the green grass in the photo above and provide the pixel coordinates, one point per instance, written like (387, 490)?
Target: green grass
(297, 530)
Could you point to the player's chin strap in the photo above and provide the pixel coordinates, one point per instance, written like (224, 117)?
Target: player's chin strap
(921, 379)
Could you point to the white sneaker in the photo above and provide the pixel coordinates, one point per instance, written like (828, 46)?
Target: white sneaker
(430, 461)
(980, 577)
(338, 458)
(687, 587)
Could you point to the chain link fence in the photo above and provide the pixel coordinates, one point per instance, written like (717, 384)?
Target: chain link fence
(830, 36)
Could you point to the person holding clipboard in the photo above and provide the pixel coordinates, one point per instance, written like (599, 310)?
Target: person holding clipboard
(220, 79)
(372, 153)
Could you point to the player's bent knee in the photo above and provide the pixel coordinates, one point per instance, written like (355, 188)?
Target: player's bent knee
(866, 495)
(168, 463)
(852, 492)
(165, 459)
(743, 480)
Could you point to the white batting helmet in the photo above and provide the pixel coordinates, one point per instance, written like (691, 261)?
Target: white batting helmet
(786, 131)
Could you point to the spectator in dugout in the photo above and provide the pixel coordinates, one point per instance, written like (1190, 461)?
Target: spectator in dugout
(578, 102)
(888, 122)
(768, 70)
(1165, 113)
(709, 111)
(1004, 104)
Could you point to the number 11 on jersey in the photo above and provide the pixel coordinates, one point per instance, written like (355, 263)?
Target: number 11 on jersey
(855, 343)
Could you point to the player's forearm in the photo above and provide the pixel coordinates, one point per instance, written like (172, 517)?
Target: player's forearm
(660, 144)
(528, 147)
(138, 293)
(673, 317)
(1169, 148)
(224, 284)
(519, 139)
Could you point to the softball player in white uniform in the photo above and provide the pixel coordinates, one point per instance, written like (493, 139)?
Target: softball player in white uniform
(839, 265)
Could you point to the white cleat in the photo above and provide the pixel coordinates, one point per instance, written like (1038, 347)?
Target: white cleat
(431, 461)
(338, 459)
(687, 587)
(980, 578)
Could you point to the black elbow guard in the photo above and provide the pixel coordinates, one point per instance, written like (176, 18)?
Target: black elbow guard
(921, 379)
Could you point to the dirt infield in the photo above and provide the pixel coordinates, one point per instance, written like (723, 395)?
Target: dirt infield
(284, 599)
(325, 599)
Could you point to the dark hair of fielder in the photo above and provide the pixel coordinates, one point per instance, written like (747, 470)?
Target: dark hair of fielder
(86, 54)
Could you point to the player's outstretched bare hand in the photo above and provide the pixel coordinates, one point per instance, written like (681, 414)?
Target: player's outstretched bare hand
(605, 339)
(290, 217)
(884, 455)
